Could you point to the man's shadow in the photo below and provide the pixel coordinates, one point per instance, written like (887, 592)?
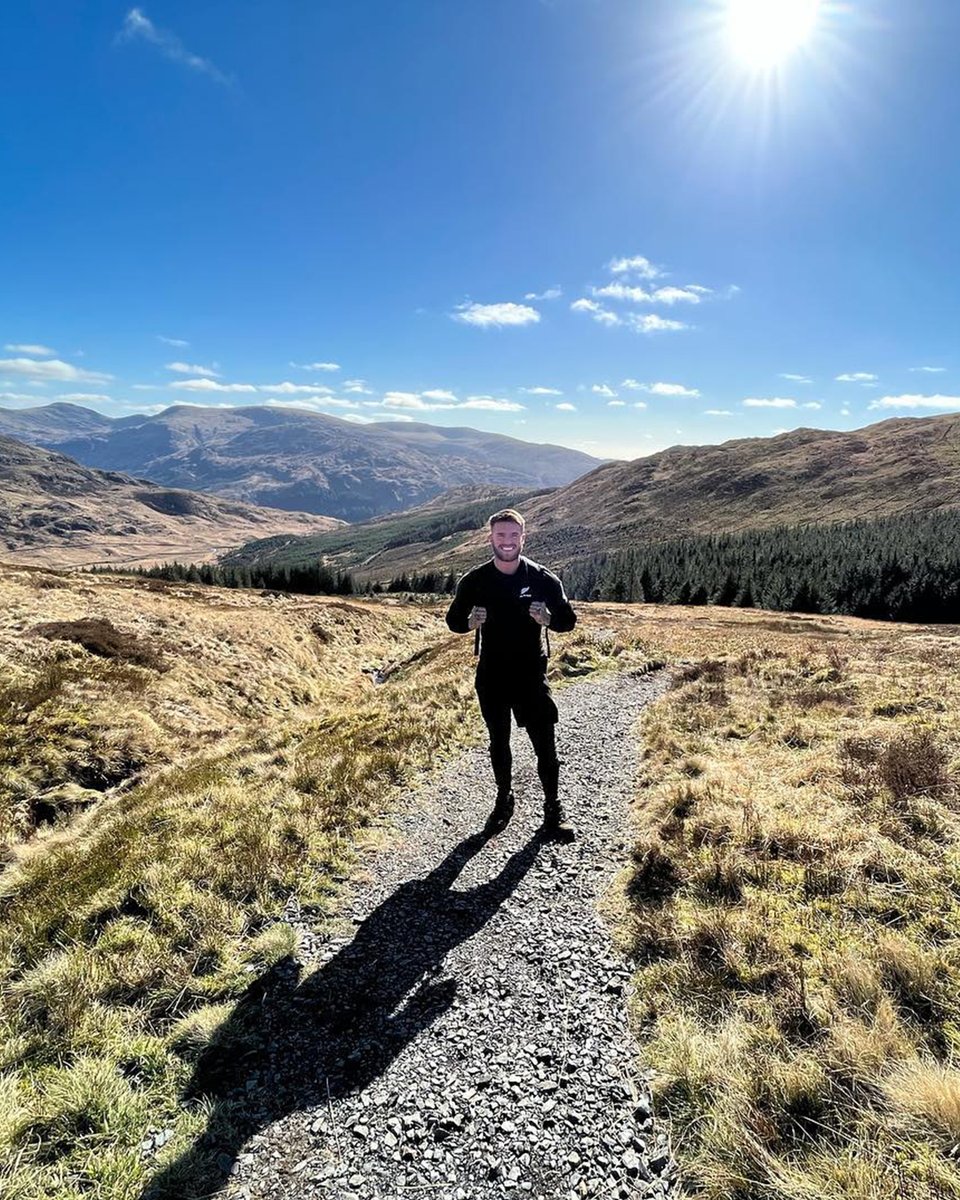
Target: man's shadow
(291, 1045)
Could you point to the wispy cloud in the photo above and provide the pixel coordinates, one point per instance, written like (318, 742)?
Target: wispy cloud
(311, 403)
(936, 403)
(773, 402)
(495, 316)
(553, 293)
(439, 394)
(635, 265)
(316, 366)
(856, 377)
(651, 323)
(717, 412)
(813, 404)
(18, 398)
(601, 315)
(51, 370)
(566, 406)
(662, 295)
(602, 389)
(30, 348)
(138, 27)
(183, 368)
(491, 404)
(422, 402)
(541, 391)
(926, 370)
(294, 389)
(356, 387)
(211, 385)
(178, 342)
(661, 389)
(616, 404)
(795, 378)
(84, 398)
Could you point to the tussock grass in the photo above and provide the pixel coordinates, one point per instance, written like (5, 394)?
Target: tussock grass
(130, 925)
(793, 908)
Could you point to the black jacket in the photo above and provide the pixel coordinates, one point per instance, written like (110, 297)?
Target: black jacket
(510, 638)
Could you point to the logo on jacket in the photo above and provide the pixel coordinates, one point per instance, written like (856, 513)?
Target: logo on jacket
(524, 593)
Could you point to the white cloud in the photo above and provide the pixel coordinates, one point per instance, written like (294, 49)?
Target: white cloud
(639, 404)
(210, 385)
(948, 403)
(844, 412)
(774, 402)
(404, 400)
(541, 391)
(292, 389)
(495, 316)
(565, 407)
(601, 389)
(553, 293)
(147, 387)
(795, 378)
(317, 366)
(717, 412)
(927, 370)
(667, 389)
(651, 323)
(51, 369)
(676, 295)
(856, 377)
(358, 418)
(183, 368)
(84, 398)
(137, 26)
(179, 342)
(621, 291)
(439, 394)
(813, 404)
(637, 265)
(18, 398)
(489, 404)
(30, 348)
(357, 387)
(602, 315)
(616, 404)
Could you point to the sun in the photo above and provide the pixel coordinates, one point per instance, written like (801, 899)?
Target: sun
(763, 33)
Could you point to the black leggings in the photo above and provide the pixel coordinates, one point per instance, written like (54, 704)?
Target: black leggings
(535, 711)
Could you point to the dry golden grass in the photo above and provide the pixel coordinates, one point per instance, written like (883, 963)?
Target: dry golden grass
(794, 905)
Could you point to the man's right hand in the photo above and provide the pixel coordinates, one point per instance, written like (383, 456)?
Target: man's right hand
(476, 618)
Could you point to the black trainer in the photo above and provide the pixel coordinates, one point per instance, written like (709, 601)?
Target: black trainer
(502, 812)
(555, 825)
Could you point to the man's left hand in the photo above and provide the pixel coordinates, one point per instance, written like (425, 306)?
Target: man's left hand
(540, 612)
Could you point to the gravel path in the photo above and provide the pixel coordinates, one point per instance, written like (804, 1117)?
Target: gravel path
(465, 1034)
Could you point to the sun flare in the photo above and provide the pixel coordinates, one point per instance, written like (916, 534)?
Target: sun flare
(764, 32)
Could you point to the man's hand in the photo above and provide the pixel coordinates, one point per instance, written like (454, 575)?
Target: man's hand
(476, 618)
(540, 612)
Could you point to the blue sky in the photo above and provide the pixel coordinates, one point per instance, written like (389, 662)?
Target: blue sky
(600, 223)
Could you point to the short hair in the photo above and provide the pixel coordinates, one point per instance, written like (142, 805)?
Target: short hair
(507, 514)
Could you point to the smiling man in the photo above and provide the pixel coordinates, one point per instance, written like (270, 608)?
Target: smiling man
(512, 602)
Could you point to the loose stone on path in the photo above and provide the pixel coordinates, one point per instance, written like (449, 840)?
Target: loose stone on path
(483, 1048)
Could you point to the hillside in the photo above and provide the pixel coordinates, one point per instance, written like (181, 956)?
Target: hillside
(804, 477)
(54, 511)
(296, 460)
(185, 793)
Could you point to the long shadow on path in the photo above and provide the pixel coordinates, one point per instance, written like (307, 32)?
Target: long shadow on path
(294, 1044)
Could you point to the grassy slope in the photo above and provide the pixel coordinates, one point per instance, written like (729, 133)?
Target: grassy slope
(793, 907)
(791, 902)
(127, 933)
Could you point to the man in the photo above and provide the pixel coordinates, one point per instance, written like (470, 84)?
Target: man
(511, 602)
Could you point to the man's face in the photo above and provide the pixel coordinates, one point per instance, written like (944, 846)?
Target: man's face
(506, 538)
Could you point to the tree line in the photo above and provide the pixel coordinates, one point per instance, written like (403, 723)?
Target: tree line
(904, 568)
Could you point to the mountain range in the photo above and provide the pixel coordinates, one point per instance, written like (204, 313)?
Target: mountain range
(291, 459)
(804, 477)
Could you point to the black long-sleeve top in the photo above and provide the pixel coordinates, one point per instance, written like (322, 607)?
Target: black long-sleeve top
(510, 638)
